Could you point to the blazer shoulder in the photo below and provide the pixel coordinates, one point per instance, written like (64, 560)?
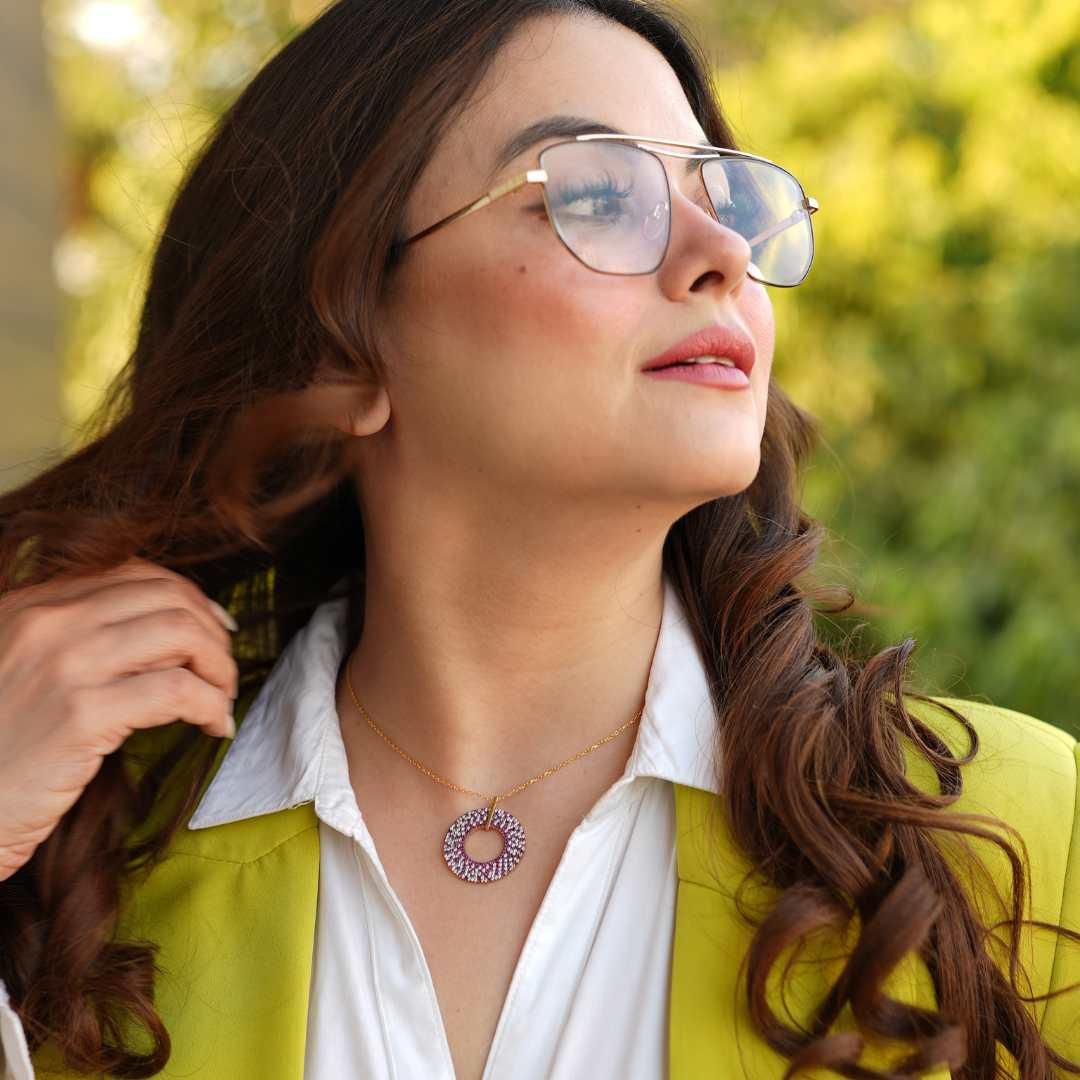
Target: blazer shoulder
(1024, 772)
(1023, 738)
(1023, 775)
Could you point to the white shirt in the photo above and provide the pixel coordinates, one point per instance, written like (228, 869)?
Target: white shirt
(589, 996)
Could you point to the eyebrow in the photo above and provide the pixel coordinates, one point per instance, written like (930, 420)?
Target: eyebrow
(554, 127)
(566, 127)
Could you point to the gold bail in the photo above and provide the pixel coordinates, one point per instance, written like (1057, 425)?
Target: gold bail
(491, 813)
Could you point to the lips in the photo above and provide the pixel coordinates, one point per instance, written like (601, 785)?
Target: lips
(721, 356)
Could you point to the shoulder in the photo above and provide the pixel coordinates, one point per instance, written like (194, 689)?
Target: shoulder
(1020, 786)
(1024, 772)
(1024, 776)
(1022, 738)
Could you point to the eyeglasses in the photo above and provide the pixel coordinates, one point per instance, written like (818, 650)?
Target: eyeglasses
(609, 201)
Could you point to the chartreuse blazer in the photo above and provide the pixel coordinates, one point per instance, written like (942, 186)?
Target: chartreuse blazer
(232, 909)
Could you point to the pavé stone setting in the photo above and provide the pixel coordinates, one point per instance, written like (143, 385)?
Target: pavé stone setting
(508, 826)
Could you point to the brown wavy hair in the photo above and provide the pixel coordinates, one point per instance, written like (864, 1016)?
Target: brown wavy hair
(263, 295)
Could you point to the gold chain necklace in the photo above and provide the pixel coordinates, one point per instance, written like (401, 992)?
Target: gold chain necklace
(508, 826)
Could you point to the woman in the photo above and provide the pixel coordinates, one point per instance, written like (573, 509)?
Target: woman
(509, 498)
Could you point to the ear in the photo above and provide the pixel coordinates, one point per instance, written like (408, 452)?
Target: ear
(359, 409)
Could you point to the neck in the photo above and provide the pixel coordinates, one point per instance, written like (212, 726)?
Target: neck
(495, 646)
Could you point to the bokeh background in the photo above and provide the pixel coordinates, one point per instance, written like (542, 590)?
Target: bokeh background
(937, 339)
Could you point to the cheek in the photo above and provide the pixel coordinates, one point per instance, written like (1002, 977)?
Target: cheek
(553, 300)
(756, 309)
(514, 359)
(537, 316)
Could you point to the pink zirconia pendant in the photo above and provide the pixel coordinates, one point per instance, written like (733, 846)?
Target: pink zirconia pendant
(482, 817)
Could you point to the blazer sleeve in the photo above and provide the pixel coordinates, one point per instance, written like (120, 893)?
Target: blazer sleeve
(1061, 1019)
(14, 1055)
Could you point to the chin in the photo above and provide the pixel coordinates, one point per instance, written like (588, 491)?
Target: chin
(700, 477)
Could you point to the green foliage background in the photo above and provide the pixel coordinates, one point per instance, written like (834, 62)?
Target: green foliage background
(937, 339)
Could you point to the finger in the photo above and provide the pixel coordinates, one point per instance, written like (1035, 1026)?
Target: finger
(224, 617)
(141, 585)
(128, 599)
(153, 699)
(73, 586)
(125, 600)
(152, 642)
(139, 570)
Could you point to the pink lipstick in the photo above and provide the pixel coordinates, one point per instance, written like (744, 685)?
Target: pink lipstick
(721, 356)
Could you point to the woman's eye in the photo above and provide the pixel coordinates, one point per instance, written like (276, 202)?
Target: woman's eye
(600, 203)
(596, 205)
(727, 213)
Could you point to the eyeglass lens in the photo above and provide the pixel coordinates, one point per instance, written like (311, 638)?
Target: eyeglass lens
(610, 204)
(765, 205)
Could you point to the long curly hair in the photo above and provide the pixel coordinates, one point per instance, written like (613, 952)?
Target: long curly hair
(278, 248)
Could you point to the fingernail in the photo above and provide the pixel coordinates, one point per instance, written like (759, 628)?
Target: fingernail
(224, 617)
(230, 727)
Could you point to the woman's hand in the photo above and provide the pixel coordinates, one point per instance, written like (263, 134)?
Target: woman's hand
(84, 662)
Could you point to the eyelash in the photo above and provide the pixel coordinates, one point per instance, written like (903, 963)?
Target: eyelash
(591, 190)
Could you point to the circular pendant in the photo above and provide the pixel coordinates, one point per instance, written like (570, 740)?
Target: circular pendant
(467, 869)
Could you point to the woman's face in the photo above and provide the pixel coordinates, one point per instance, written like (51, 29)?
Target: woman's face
(516, 371)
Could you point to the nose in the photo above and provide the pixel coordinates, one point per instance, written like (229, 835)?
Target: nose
(703, 255)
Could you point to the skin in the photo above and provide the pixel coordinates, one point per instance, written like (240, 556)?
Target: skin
(518, 472)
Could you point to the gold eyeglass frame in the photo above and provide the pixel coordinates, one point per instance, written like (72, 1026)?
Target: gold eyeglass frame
(642, 142)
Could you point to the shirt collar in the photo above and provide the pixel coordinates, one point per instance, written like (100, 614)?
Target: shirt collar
(278, 757)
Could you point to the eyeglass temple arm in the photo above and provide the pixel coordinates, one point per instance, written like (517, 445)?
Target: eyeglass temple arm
(533, 176)
(809, 206)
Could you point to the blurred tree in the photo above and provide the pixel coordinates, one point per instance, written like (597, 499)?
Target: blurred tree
(140, 84)
(938, 337)
(30, 374)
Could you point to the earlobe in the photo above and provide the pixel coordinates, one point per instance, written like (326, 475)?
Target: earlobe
(365, 410)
